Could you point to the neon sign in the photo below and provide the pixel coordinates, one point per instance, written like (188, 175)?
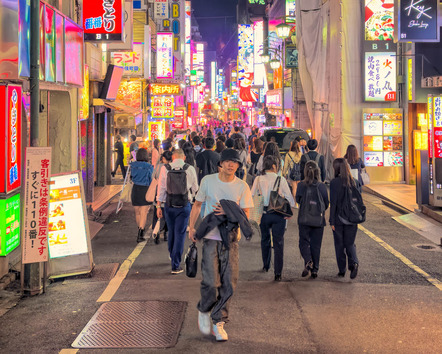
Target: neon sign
(165, 56)
(165, 89)
(103, 20)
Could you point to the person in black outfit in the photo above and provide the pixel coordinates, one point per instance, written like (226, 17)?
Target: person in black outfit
(310, 238)
(312, 145)
(207, 161)
(119, 149)
(344, 235)
(355, 162)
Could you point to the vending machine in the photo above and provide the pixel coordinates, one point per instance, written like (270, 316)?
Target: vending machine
(435, 149)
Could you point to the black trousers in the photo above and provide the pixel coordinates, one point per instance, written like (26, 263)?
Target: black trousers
(344, 236)
(276, 223)
(120, 162)
(310, 241)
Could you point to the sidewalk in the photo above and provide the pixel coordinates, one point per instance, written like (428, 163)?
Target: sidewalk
(403, 195)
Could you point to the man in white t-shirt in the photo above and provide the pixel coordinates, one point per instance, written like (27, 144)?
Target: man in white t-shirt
(219, 266)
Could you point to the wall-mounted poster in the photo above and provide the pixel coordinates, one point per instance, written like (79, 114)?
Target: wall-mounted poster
(397, 143)
(393, 128)
(373, 159)
(394, 158)
(379, 20)
(372, 143)
(388, 143)
(373, 127)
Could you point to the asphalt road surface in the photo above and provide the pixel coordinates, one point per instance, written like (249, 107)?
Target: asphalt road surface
(394, 305)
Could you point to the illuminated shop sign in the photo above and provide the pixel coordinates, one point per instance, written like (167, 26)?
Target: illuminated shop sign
(213, 79)
(165, 56)
(383, 139)
(161, 9)
(437, 126)
(379, 20)
(258, 44)
(165, 89)
(9, 224)
(132, 62)
(157, 130)
(162, 107)
(417, 21)
(103, 20)
(84, 96)
(10, 133)
(290, 10)
(129, 94)
(273, 99)
(380, 76)
(246, 64)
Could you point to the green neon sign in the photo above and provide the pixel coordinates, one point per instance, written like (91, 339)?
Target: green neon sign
(9, 224)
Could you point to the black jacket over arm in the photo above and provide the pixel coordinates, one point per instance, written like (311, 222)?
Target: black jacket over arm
(321, 165)
(234, 217)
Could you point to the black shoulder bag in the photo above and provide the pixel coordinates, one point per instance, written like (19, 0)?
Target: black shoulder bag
(278, 204)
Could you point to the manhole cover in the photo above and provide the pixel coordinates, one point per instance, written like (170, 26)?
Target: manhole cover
(144, 324)
(101, 272)
(426, 247)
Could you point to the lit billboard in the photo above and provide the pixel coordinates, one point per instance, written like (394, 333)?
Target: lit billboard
(379, 20)
(165, 55)
(103, 20)
(417, 21)
(380, 76)
(246, 63)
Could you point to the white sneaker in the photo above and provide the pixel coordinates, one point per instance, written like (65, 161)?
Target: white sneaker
(204, 322)
(219, 332)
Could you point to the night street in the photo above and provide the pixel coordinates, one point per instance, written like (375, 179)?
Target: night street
(388, 308)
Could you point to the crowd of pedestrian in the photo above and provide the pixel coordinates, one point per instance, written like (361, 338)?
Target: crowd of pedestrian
(207, 184)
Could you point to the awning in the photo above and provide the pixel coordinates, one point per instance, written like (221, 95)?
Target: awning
(119, 107)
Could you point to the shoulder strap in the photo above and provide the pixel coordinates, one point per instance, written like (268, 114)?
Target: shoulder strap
(168, 167)
(307, 156)
(317, 158)
(291, 158)
(277, 183)
(186, 166)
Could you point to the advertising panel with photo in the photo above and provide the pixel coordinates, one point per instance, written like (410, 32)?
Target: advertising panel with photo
(394, 158)
(418, 21)
(392, 127)
(67, 234)
(379, 20)
(373, 127)
(372, 143)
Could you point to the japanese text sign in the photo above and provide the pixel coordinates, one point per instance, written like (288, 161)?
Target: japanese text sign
(10, 133)
(380, 76)
(437, 113)
(103, 20)
(132, 62)
(36, 205)
(165, 56)
(438, 142)
(157, 130)
(9, 224)
(67, 234)
(162, 107)
(417, 21)
(165, 89)
(161, 9)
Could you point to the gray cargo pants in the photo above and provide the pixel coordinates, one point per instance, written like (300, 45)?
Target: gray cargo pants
(220, 271)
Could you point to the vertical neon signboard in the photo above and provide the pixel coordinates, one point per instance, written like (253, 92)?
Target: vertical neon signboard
(380, 76)
(165, 56)
(437, 126)
(246, 63)
(10, 131)
(103, 20)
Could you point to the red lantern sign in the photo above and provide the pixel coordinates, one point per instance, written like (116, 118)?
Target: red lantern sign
(103, 20)
(10, 133)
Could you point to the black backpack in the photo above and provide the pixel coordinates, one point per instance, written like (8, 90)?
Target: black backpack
(176, 186)
(209, 168)
(317, 158)
(312, 208)
(353, 210)
(295, 171)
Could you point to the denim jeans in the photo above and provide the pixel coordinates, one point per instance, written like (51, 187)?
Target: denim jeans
(276, 223)
(177, 220)
(344, 236)
(220, 271)
(310, 241)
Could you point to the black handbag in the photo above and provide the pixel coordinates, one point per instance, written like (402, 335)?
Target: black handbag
(278, 204)
(191, 261)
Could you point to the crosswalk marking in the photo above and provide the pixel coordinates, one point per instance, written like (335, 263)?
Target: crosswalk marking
(404, 259)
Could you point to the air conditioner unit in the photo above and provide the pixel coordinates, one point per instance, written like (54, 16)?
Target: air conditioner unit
(124, 121)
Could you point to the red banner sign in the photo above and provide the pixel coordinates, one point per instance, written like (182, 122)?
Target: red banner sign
(103, 20)
(10, 133)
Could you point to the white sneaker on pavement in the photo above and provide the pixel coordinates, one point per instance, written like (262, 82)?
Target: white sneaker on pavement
(204, 322)
(219, 332)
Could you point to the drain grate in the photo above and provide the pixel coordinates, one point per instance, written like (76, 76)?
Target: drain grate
(144, 324)
(101, 272)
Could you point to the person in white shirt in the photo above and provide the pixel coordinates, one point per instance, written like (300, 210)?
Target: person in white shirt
(263, 185)
(176, 214)
(219, 266)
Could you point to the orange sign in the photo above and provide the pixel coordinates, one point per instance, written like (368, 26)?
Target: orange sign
(165, 89)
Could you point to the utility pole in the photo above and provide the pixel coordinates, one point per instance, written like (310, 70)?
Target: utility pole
(31, 272)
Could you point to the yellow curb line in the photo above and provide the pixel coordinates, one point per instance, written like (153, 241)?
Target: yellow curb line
(404, 259)
(116, 281)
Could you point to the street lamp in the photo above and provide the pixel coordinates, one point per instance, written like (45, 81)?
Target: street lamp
(265, 57)
(275, 64)
(283, 30)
